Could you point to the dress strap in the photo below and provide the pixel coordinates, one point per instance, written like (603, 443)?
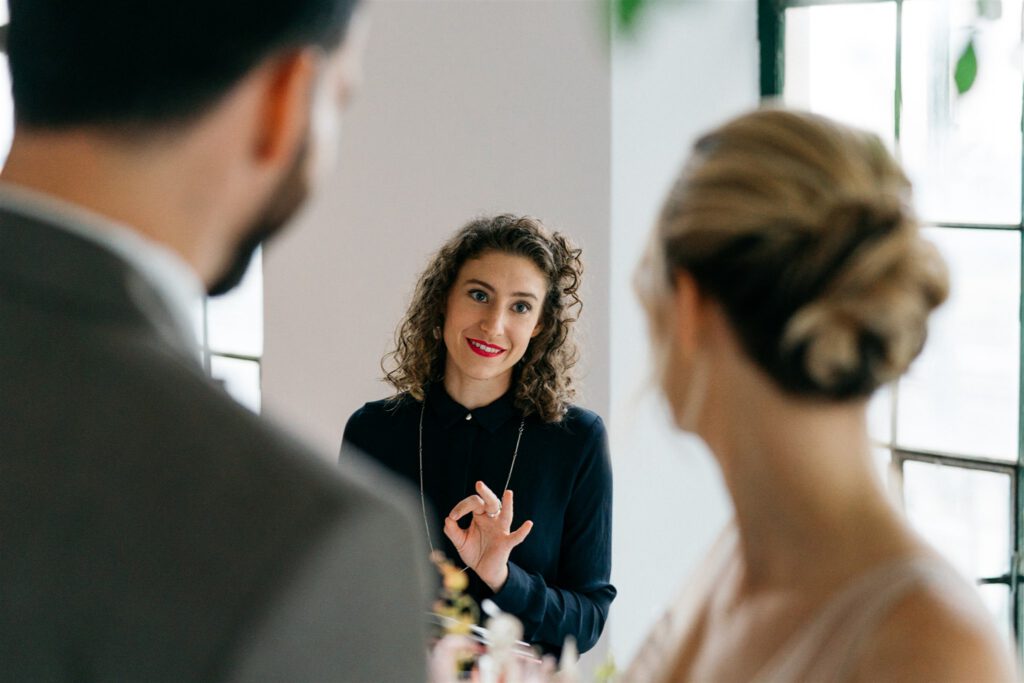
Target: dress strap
(826, 648)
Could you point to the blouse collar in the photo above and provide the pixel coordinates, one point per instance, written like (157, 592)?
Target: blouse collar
(450, 412)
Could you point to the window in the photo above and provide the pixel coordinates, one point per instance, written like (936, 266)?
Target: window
(948, 433)
(6, 103)
(232, 337)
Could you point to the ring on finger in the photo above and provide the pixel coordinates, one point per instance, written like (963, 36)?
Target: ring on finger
(494, 514)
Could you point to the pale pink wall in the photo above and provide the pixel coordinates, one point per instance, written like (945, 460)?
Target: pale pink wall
(467, 107)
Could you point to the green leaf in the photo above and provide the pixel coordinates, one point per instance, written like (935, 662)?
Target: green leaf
(966, 68)
(627, 12)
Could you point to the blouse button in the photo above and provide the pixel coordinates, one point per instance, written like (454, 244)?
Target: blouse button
(469, 416)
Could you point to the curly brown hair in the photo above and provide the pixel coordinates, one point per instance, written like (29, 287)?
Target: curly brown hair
(543, 379)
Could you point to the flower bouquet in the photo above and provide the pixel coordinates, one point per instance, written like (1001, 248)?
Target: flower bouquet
(495, 653)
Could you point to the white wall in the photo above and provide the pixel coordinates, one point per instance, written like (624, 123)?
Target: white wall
(692, 64)
(467, 107)
(516, 105)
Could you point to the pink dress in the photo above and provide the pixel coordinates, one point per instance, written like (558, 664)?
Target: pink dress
(827, 647)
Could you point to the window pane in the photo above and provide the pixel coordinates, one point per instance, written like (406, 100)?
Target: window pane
(841, 62)
(236, 319)
(960, 396)
(196, 308)
(241, 379)
(6, 104)
(195, 318)
(996, 597)
(963, 152)
(882, 458)
(964, 513)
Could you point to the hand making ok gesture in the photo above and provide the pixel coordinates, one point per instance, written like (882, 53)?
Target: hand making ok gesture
(487, 543)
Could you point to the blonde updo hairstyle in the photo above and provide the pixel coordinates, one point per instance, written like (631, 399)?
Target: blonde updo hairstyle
(801, 230)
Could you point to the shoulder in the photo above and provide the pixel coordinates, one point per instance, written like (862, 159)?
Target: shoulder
(273, 485)
(580, 435)
(378, 420)
(384, 409)
(577, 415)
(382, 431)
(211, 441)
(191, 454)
(581, 426)
(939, 631)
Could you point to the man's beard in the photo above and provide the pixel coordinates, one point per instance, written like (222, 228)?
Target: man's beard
(284, 202)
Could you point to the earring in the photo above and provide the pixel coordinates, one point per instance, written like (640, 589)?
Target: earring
(437, 332)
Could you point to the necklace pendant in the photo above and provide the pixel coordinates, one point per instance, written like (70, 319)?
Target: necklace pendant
(423, 495)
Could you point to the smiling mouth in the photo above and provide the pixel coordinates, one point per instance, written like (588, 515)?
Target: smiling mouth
(484, 349)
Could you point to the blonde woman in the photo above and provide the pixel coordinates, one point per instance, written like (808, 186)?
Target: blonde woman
(482, 371)
(785, 282)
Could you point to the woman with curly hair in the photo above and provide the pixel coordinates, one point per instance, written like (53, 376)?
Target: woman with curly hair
(482, 370)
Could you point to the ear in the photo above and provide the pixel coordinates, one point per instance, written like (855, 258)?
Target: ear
(690, 312)
(537, 329)
(287, 99)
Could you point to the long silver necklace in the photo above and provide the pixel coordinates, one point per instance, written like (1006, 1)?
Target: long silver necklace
(423, 496)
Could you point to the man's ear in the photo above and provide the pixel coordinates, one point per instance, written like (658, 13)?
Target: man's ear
(287, 99)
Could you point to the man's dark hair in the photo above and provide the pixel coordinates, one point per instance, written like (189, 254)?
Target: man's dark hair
(123, 64)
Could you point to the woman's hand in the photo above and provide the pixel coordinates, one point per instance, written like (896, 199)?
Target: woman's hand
(486, 544)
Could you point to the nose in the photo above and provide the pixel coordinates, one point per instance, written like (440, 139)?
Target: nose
(493, 322)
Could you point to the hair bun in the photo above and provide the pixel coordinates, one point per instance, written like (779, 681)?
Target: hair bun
(865, 216)
(829, 341)
(801, 228)
(870, 319)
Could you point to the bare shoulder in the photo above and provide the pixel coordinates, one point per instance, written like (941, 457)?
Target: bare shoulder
(937, 632)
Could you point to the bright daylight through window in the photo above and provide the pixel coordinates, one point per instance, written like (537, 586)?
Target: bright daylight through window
(948, 434)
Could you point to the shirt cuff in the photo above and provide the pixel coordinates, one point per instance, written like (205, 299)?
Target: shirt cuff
(514, 596)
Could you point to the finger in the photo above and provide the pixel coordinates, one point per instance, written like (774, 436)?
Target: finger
(474, 504)
(455, 533)
(506, 509)
(490, 500)
(520, 534)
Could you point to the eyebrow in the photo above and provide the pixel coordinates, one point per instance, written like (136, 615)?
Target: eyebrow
(483, 284)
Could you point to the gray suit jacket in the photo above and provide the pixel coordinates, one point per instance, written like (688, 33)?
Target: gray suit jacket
(151, 529)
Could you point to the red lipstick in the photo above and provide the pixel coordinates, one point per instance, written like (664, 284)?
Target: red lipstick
(482, 348)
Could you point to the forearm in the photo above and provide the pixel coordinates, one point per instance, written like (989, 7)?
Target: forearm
(551, 613)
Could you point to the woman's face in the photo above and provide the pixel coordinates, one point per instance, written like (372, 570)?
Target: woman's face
(493, 311)
(677, 321)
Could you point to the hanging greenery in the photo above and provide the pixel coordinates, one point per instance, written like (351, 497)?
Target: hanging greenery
(626, 15)
(966, 70)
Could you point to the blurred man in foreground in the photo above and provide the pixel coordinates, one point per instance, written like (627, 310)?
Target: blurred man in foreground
(150, 529)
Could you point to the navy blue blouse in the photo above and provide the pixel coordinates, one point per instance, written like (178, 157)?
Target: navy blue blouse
(558, 581)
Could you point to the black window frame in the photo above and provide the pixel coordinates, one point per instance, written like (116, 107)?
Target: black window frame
(772, 36)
